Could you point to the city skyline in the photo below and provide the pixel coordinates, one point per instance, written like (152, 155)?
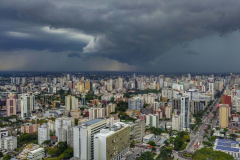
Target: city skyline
(146, 36)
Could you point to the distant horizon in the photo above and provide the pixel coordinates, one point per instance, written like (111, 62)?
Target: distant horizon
(123, 72)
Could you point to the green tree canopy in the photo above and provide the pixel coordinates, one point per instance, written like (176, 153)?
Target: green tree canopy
(146, 156)
(61, 147)
(152, 143)
(47, 142)
(206, 153)
(7, 157)
(1, 154)
(178, 143)
(68, 153)
(165, 154)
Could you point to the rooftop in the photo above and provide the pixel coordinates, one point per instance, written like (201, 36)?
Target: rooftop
(227, 141)
(227, 145)
(91, 122)
(36, 150)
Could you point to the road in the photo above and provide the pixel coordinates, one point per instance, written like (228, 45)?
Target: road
(198, 137)
(133, 155)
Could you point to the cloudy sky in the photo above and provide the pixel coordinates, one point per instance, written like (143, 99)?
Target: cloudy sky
(120, 35)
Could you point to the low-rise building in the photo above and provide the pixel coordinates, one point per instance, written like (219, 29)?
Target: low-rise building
(26, 150)
(149, 137)
(36, 154)
(228, 146)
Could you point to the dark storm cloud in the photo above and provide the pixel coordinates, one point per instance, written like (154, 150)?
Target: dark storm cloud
(192, 52)
(135, 32)
(71, 55)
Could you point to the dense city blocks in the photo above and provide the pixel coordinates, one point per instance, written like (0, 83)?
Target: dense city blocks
(119, 116)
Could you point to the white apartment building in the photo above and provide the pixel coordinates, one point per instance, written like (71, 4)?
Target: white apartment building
(83, 138)
(63, 122)
(149, 98)
(211, 87)
(27, 105)
(139, 130)
(112, 143)
(71, 102)
(135, 103)
(168, 111)
(176, 122)
(185, 112)
(96, 113)
(152, 120)
(43, 134)
(66, 135)
(36, 154)
(62, 135)
(8, 143)
(51, 125)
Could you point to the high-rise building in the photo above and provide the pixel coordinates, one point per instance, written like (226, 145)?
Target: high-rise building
(11, 104)
(203, 88)
(135, 103)
(51, 125)
(83, 102)
(223, 115)
(96, 113)
(195, 106)
(66, 135)
(68, 76)
(211, 87)
(176, 122)
(176, 103)
(189, 77)
(161, 81)
(87, 86)
(8, 143)
(120, 83)
(80, 87)
(27, 105)
(139, 130)
(112, 143)
(225, 99)
(168, 111)
(83, 138)
(43, 134)
(71, 102)
(29, 128)
(109, 86)
(152, 120)
(63, 122)
(185, 112)
(54, 80)
(109, 109)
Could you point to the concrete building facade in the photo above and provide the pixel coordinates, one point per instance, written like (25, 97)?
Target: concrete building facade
(83, 138)
(112, 144)
(223, 115)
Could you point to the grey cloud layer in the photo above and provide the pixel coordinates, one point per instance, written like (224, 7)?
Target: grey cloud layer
(135, 32)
